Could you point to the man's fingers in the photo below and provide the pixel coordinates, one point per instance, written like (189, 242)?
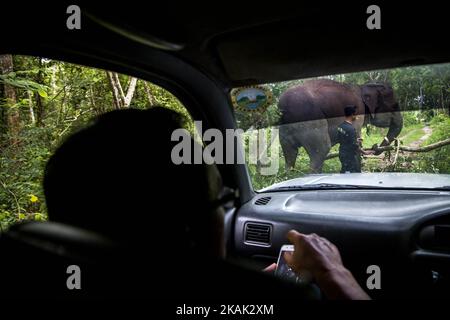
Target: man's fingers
(270, 268)
(295, 237)
(289, 258)
(326, 244)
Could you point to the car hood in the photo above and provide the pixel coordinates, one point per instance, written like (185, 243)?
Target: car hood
(387, 180)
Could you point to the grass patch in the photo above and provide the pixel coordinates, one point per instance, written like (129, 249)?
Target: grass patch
(412, 134)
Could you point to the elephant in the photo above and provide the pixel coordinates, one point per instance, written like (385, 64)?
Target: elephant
(311, 113)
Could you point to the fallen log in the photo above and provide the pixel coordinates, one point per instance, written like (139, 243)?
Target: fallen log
(402, 148)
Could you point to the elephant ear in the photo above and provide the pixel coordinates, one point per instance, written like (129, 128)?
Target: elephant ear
(370, 97)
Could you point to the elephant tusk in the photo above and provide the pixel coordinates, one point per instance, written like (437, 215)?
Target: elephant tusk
(386, 139)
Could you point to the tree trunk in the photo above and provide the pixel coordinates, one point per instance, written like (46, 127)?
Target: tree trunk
(151, 100)
(427, 148)
(62, 111)
(3, 128)
(12, 112)
(420, 94)
(119, 86)
(406, 105)
(119, 98)
(39, 109)
(115, 90)
(30, 104)
(130, 92)
(53, 80)
(39, 102)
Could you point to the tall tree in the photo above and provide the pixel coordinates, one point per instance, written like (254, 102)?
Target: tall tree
(30, 106)
(130, 92)
(118, 103)
(120, 99)
(38, 98)
(12, 112)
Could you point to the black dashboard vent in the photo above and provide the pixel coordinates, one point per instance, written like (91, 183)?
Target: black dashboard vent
(257, 233)
(262, 201)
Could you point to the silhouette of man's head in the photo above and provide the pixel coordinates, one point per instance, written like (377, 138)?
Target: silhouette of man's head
(116, 177)
(350, 111)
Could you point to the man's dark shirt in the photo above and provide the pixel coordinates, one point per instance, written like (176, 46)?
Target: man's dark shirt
(348, 148)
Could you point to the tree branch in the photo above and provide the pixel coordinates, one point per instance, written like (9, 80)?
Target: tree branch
(403, 148)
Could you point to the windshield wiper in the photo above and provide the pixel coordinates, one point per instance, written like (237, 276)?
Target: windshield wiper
(332, 186)
(321, 186)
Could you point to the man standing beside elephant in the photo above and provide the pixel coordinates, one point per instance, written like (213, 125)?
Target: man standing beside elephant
(349, 144)
(311, 113)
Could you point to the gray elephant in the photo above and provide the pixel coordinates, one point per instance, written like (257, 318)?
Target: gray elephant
(310, 114)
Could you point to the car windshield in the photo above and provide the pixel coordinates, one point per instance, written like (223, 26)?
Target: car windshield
(383, 128)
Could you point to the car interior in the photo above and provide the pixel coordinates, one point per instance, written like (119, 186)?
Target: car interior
(200, 57)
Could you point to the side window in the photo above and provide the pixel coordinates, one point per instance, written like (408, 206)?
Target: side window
(41, 102)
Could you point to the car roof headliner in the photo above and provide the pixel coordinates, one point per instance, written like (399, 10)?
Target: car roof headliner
(250, 44)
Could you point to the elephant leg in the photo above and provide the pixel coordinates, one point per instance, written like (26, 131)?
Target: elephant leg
(317, 158)
(317, 144)
(290, 155)
(289, 144)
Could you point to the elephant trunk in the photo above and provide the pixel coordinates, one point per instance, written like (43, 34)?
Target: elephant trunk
(394, 129)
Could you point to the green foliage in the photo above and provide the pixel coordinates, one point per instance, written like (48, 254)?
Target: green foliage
(23, 83)
(412, 118)
(64, 98)
(21, 169)
(437, 161)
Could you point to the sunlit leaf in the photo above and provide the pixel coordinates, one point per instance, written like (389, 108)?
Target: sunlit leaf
(42, 93)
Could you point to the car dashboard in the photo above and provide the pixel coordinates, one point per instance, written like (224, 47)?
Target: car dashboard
(404, 232)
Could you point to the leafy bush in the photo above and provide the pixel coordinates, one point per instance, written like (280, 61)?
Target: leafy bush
(437, 161)
(21, 177)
